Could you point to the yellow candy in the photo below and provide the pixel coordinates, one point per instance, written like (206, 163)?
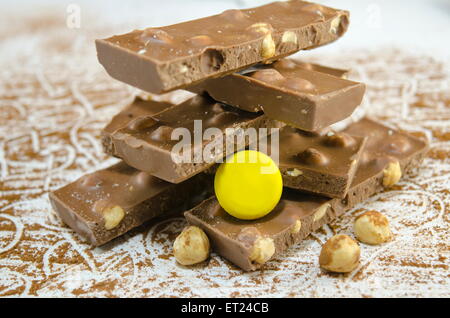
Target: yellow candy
(248, 185)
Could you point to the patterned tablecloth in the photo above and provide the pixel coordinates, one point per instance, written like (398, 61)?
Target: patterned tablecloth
(54, 100)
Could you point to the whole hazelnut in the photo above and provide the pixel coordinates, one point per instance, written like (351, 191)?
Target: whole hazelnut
(392, 174)
(340, 254)
(268, 48)
(263, 250)
(372, 227)
(113, 216)
(191, 246)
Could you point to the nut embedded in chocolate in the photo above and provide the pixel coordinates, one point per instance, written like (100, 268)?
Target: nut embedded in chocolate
(113, 216)
(268, 48)
(267, 75)
(392, 174)
(155, 36)
(312, 156)
(298, 84)
(263, 249)
(162, 134)
(339, 140)
(141, 123)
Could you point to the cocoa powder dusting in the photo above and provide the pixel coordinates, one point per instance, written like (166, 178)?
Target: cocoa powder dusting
(54, 100)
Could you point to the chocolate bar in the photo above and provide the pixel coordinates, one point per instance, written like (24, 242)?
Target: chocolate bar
(146, 143)
(108, 203)
(321, 164)
(162, 59)
(139, 107)
(249, 244)
(301, 95)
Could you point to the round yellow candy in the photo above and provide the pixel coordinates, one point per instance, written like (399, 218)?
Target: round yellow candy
(248, 185)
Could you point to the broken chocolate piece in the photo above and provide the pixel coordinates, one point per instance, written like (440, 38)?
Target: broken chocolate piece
(162, 59)
(299, 214)
(321, 164)
(146, 143)
(138, 108)
(306, 96)
(108, 203)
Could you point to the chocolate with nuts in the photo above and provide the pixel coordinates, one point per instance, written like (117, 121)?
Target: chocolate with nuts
(108, 203)
(162, 59)
(139, 107)
(146, 143)
(321, 164)
(249, 244)
(306, 96)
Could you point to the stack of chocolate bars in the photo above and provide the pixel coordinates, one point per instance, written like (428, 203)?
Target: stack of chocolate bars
(235, 63)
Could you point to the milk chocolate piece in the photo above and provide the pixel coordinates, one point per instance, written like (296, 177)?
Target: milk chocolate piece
(83, 204)
(321, 164)
(162, 59)
(302, 95)
(146, 143)
(139, 107)
(298, 214)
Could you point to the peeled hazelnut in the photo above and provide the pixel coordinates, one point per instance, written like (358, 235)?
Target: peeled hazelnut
(155, 36)
(289, 37)
(298, 84)
(268, 47)
(113, 216)
(372, 227)
(191, 246)
(263, 250)
(297, 226)
(335, 25)
(340, 254)
(286, 64)
(392, 174)
(321, 211)
(262, 28)
(141, 123)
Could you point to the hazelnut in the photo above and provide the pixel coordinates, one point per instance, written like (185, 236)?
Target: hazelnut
(335, 25)
(321, 211)
(261, 27)
(312, 156)
(268, 47)
(263, 250)
(392, 174)
(372, 227)
(267, 75)
(339, 140)
(191, 246)
(297, 226)
(113, 216)
(340, 254)
(142, 123)
(289, 37)
(294, 172)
